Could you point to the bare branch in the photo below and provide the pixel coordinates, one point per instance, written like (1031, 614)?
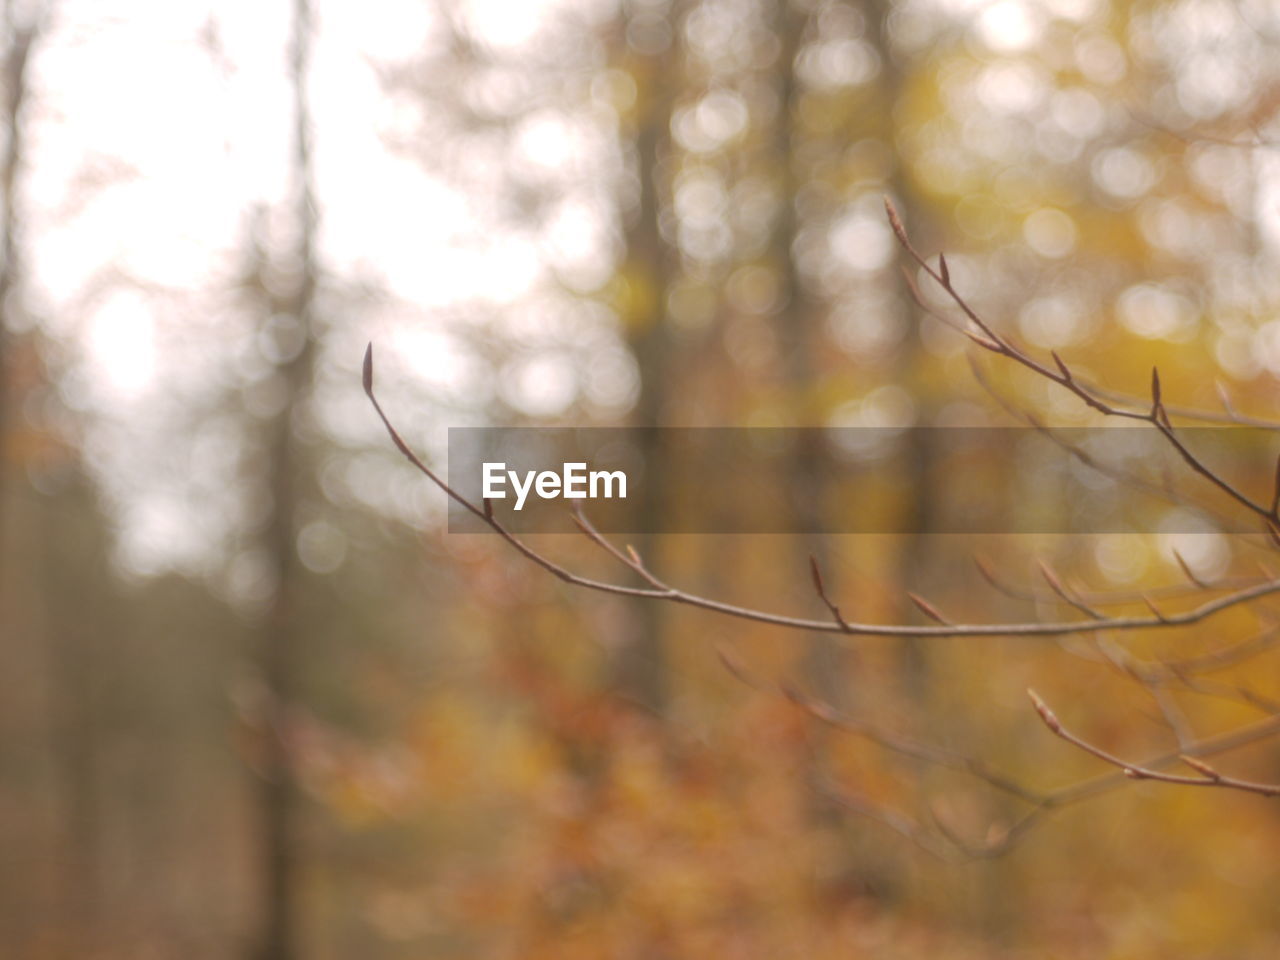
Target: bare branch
(1136, 771)
(658, 590)
(821, 589)
(1156, 416)
(1155, 676)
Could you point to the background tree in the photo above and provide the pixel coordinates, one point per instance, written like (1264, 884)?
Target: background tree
(572, 213)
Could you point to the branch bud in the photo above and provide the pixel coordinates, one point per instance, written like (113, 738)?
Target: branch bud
(1062, 366)
(1202, 768)
(1048, 716)
(817, 576)
(895, 221)
(367, 371)
(928, 609)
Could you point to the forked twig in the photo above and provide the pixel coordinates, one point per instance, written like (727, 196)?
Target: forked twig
(1209, 777)
(659, 590)
(1155, 676)
(1061, 374)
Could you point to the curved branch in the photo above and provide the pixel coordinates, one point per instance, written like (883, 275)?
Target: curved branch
(659, 590)
(1157, 416)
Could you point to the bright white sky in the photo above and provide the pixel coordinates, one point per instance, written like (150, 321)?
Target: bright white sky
(149, 144)
(128, 87)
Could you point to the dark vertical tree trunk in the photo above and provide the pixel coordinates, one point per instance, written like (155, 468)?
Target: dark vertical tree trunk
(991, 897)
(72, 564)
(281, 629)
(913, 558)
(64, 636)
(641, 670)
(21, 38)
(798, 346)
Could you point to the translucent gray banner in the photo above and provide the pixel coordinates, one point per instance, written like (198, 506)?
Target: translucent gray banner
(863, 480)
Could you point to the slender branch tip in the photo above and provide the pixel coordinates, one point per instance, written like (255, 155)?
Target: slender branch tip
(1047, 715)
(817, 576)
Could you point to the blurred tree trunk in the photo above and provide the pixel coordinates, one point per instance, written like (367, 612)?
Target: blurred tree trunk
(292, 323)
(22, 35)
(57, 541)
(74, 556)
(993, 900)
(641, 666)
(913, 557)
(798, 344)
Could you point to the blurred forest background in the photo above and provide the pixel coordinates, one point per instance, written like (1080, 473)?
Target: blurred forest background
(256, 703)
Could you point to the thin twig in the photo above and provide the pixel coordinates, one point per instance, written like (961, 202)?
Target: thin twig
(1062, 375)
(1135, 771)
(658, 590)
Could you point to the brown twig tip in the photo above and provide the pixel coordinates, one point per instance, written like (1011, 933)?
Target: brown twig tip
(1062, 366)
(815, 708)
(1048, 716)
(794, 694)
(927, 608)
(1051, 578)
(366, 374)
(823, 711)
(1190, 574)
(943, 270)
(820, 588)
(1200, 767)
(895, 221)
(1154, 609)
(734, 666)
(487, 503)
(1158, 412)
(1225, 399)
(817, 576)
(987, 573)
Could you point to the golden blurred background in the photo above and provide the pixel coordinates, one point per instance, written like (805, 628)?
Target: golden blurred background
(256, 701)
